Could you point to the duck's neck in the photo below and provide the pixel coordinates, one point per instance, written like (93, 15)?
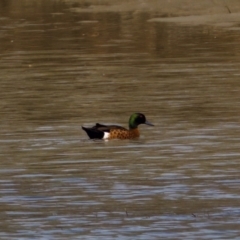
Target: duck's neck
(132, 125)
(134, 133)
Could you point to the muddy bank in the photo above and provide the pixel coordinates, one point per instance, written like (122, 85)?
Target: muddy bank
(167, 8)
(210, 12)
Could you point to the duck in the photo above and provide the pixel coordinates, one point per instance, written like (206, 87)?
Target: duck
(100, 131)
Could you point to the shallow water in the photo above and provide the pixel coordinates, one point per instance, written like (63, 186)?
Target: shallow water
(61, 69)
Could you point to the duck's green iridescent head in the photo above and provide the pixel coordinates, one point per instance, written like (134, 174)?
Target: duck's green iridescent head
(136, 119)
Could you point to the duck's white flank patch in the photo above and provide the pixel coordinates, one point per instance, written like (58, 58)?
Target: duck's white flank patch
(106, 135)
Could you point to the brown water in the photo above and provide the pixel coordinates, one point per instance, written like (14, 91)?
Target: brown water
(61, 69)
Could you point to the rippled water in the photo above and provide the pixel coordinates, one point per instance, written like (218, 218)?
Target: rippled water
(60, 69)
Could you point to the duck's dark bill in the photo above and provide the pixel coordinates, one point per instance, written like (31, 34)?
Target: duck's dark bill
(148, 123)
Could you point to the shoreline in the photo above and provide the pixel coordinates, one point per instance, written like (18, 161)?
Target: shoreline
(166, 8)
(187, 12)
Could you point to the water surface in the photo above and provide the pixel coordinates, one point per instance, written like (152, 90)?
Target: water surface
(62, 68)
